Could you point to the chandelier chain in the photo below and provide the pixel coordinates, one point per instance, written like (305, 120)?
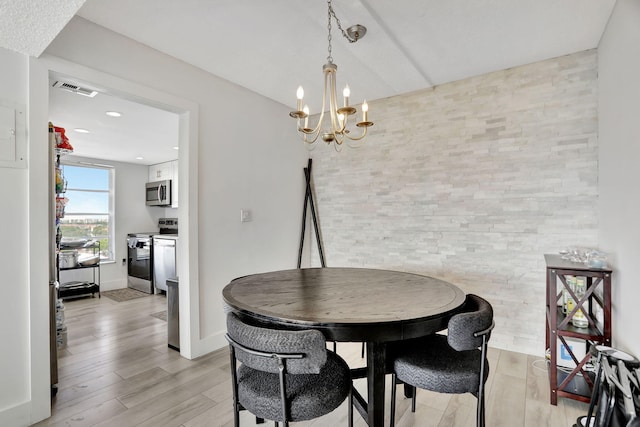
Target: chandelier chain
(331, 13)
(329, 10)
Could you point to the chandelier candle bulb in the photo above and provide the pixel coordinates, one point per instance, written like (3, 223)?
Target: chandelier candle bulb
(300, 96)
(346, 93)
(365, 110)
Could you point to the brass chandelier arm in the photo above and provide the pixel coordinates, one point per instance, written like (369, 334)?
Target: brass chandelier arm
(333, 110)
(315, 132)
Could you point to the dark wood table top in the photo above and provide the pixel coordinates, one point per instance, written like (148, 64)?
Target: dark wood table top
(347, 304)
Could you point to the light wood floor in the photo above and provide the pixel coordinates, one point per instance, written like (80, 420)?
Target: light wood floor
(118, 371)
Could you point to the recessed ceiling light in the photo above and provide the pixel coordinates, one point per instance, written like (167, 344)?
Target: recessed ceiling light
(113, 113)
(176, 148)
(80, 130)
(139, 158)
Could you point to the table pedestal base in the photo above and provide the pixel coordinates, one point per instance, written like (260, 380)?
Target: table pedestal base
(372, 410)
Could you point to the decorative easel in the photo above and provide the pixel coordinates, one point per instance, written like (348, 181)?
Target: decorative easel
(308, 200)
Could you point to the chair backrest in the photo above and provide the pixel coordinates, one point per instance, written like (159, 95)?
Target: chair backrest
(462, 328)
(311, 344)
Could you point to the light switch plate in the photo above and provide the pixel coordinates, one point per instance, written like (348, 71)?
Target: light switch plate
(245, 215)
(13, 131)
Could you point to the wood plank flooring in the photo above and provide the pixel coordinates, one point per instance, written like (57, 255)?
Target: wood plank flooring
(118, 371)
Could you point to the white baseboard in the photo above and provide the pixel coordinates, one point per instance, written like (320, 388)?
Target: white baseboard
(208, 344)
(112, 284)
(16, 416)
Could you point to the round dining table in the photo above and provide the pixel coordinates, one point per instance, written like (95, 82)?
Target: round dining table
(349, 305)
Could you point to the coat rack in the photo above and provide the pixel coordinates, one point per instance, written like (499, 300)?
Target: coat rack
(308, 201)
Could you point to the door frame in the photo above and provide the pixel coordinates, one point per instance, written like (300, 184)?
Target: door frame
(39, 71)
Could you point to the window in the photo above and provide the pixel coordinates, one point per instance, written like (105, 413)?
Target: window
(89, 209)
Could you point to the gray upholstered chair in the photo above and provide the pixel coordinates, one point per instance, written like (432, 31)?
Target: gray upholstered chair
(285, 375)
(453, 363)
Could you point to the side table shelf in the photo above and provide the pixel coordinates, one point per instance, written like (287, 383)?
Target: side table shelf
(77, 288)
(575, 382)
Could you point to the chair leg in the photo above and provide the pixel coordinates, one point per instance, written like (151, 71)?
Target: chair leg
(350, 399)
(413, 400)
(392, 411)
(362, 351)
(234, 385)
(236, 416)
(410, 392)
(480, 408)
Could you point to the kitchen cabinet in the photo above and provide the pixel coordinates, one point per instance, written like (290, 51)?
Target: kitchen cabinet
(575, 381)
(160, 171)
(163, 171)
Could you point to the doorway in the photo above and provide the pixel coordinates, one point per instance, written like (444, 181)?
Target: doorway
(124, 140)
(116, 143)
(39, 75)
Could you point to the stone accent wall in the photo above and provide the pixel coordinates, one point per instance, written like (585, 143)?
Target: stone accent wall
(472, 182)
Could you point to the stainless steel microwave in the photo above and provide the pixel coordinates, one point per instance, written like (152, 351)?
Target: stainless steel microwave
(159, 193)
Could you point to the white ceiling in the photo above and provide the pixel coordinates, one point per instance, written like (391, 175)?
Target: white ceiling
(142, 135)
(29, 26)
(273, 46)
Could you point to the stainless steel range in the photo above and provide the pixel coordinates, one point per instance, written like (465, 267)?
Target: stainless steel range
(140, 268)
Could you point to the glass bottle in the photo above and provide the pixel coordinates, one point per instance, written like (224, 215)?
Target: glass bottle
(579, 319)
(566, 296)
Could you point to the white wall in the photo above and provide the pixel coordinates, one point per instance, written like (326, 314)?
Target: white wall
(14, 286)
(619, 171)
(131, 215)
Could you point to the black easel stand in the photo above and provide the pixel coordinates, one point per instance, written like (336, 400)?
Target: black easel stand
(308, 199)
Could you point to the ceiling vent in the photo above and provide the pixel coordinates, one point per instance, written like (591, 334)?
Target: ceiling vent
(70, 87)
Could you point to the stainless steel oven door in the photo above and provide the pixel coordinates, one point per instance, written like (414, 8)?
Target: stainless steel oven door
(142, 251)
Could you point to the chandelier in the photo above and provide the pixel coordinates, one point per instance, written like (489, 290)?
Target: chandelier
(339, 118)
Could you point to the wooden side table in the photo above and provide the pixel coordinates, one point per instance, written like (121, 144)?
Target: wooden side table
(576, 384)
